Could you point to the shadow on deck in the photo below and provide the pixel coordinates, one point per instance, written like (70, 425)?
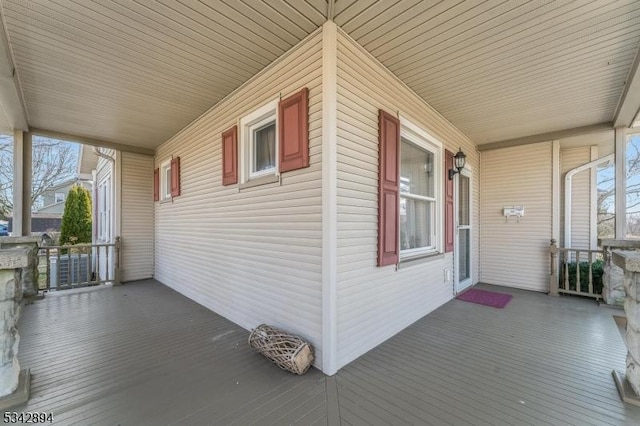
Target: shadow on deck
(143, 354)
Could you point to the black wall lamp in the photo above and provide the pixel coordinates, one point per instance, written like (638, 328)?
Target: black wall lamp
(458, 160)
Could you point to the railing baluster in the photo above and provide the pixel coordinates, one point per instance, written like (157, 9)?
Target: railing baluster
(566, 256)
(90, 265)
(106, 259)
(58, 272)
(48, 260)
(98, 276)
(78, 279)
(578, 284)
(590, 272)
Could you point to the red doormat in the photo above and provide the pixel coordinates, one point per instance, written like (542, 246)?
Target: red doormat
(484, 297)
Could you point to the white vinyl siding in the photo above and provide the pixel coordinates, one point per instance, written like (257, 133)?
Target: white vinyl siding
(252, 255)
(580, 197)
(136, 223)
(374, 303)
(516, 253)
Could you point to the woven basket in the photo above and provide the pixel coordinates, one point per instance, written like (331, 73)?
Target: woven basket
(286, 350)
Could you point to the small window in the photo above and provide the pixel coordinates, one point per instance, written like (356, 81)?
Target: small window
(259, 142)
(263, 148)
(165, 180)
(59, 197)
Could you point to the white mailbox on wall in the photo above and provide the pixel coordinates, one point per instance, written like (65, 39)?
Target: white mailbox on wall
(517, 211)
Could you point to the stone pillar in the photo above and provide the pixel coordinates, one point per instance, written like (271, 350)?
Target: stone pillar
(30, 273)
(612, 281)
(11, 263)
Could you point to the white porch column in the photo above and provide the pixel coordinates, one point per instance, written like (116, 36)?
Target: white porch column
(22, 154)
(621, 182)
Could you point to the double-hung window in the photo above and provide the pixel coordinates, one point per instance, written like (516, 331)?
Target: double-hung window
(259, 143)
(419, 184)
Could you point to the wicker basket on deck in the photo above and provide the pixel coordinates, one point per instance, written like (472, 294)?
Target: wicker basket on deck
(286, 350)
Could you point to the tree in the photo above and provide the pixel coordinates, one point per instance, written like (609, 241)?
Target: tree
(76, 219)
(53, 162)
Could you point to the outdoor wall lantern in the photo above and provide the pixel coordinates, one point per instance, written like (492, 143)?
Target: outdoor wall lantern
(459, 159)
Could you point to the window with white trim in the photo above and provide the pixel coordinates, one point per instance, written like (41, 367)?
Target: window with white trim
(59, 197)
(259, 143)
(104, 210)
(165, 180)
(420, 197)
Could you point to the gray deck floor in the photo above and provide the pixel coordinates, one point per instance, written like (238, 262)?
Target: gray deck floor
(143, 354)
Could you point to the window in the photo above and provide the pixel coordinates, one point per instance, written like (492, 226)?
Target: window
(419, 195)
(104, 210)
(59, 197)
(165, 180)
(410, 191)
(259, 143)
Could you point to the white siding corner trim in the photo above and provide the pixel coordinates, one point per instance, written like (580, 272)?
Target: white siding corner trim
(329, 198)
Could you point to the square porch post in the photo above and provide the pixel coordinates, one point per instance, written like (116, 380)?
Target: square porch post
(621, 182)
(22, 169)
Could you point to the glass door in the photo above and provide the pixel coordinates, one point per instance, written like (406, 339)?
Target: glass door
(462, 253)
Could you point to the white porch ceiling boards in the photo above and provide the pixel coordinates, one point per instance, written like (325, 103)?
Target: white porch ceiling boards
(136, 72)
(503, 69)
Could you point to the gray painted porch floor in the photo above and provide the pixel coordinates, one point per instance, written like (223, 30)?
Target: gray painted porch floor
(143, 354)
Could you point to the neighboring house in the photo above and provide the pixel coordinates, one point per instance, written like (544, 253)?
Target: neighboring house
(53, 199)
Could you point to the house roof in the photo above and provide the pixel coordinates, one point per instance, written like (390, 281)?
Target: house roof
(87, 161)
(135, 73)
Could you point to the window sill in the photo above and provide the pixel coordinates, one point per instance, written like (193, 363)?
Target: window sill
(166, 200)
(264, 180)
(419, 259)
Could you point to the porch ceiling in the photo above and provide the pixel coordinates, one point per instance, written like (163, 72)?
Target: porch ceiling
(136, 72)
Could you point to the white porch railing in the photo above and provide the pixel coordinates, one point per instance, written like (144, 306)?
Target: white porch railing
(581, 271)
(80, 265)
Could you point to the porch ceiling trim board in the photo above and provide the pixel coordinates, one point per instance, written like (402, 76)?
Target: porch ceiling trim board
(546, 137)
(629, 104)
(91, 141)
(14, 115)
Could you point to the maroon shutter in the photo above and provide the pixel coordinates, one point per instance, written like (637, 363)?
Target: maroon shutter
(388, 188)
(156, 185)
(230, 156)
(175, 177)
(293, 122)
(448, 203)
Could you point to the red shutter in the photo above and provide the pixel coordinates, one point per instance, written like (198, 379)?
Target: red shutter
(388, 188)
(293, 122)
(175, 177)
(156, 185)
(230, 156)
(448, 203)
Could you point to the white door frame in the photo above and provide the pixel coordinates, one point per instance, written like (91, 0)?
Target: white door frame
(459, 286)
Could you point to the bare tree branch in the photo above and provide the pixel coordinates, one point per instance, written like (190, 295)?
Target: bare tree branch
(53, 162)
